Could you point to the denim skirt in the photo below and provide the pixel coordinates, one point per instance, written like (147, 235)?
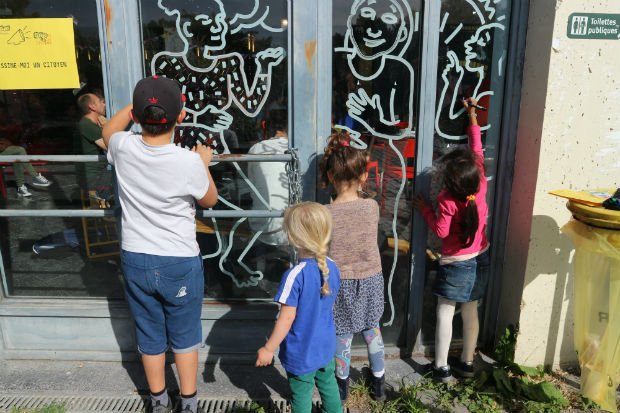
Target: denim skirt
(463, 281)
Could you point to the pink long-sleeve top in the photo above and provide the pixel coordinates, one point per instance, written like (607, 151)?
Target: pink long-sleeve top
(446, 223)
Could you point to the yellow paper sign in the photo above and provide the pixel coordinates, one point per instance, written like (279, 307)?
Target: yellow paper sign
(37, 54)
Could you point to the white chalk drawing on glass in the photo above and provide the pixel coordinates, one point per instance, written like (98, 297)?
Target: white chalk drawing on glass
(473, 63)
(213, 87)
(379, 33)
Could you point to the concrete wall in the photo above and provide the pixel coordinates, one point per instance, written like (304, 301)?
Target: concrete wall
(568, 137)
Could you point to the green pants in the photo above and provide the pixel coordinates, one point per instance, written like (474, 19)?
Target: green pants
(302, 388)
(19, 167)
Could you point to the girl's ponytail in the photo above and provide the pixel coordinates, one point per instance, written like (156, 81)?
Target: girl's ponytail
(341, 162)
(462, 180)
(469, 222)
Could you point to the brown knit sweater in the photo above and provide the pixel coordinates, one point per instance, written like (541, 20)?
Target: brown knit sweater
(354, 245)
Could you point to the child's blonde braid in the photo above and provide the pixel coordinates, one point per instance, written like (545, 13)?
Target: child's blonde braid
(321, 258)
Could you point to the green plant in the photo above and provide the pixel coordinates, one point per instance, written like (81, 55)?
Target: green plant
(506, 345)
(51, 408)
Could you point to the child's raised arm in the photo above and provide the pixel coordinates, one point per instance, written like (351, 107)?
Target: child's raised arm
(281, 329)
(118, 123)
(473, 130)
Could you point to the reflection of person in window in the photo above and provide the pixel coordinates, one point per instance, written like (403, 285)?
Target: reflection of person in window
(211, 82)
(378, 34)
(271, 181)
(9, 134)
(7, 148)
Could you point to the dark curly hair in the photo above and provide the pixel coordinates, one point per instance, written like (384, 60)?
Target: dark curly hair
(341, 161)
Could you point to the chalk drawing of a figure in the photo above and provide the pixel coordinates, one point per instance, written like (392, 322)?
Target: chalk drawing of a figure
(378, 34)
(476, 63)
(213, 81)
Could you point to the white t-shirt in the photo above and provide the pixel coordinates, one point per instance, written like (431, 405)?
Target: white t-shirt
(271, 181)
(157, 186)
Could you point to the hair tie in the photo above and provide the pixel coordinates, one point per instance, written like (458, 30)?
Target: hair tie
(471, 197)
(344, 143)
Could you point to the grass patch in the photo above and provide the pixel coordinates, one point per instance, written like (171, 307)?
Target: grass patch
(51, 408)
(504, 387)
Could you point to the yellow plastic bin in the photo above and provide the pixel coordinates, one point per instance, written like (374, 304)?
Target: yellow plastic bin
(596, 235)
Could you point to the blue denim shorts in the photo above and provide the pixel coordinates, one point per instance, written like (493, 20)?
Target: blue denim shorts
(165, 297)
(463, 281)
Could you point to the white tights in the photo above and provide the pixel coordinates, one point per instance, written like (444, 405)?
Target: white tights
(443, 332)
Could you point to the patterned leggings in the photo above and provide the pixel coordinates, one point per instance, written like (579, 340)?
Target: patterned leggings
(376, 354)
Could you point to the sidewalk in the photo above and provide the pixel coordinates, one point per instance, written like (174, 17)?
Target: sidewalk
(120, 387)
(116, 386)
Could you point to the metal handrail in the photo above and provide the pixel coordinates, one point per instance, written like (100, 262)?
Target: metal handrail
(100, 213)
(228, 157)
(111, 212)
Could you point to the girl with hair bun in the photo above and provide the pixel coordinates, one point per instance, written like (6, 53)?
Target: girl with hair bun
(460, 221)
(360, 302)
(305, 329)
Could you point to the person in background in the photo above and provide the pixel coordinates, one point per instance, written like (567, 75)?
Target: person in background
(305, 330)
(271, 181)
(461, 222)
(7, 148)
(90, 141)
(355, 249)
(159, 184)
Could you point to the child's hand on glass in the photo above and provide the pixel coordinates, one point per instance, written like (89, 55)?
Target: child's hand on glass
(205, 152)
(419, 202)
(264, 357)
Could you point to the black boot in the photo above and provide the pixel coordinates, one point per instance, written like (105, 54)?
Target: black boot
(343, 388)
(378, 388)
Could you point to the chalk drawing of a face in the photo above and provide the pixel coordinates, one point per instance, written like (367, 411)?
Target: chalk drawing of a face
(379, 27)
(199, 23)
(213, 82)
(380, 31)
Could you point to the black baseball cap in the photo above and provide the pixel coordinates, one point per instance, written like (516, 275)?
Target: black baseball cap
(160, 92)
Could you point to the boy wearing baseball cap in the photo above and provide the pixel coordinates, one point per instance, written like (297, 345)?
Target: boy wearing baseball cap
(158, 185)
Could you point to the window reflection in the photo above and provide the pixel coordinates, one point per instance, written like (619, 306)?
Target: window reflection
(68, 257)
(61, 257)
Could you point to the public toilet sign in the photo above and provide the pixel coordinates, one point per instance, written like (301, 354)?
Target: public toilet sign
(38, 54)
(593, 26)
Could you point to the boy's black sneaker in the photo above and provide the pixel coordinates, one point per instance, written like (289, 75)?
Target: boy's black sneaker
(461, 368)
(343, 388)
(442, 374)
(158, 408)
(378, 388)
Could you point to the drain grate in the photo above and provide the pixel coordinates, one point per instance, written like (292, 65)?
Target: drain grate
(134, 404)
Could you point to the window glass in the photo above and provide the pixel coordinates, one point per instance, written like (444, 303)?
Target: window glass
(375, 78)
(54, 256)
(472, 53)
(60, 257)
(231, 59)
